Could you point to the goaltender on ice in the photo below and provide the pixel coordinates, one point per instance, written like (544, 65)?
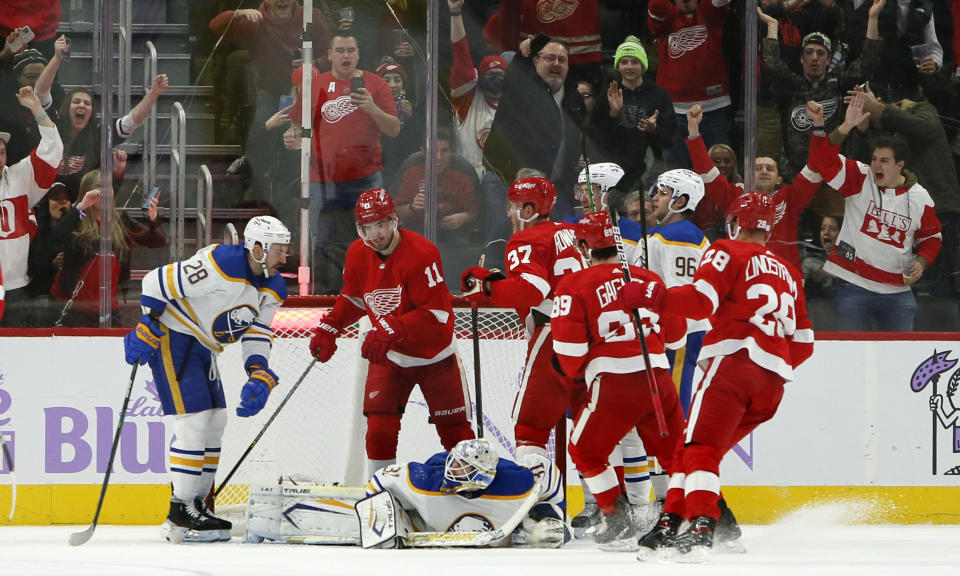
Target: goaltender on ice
(191, 310)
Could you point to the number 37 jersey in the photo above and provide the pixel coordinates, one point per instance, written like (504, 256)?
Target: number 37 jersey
(758, 306)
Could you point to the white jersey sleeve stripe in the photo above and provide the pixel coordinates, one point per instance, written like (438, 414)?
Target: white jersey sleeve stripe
(539, 283)
(358, 302)
(810, 174)
(440, 315)
(804, 336)
(711, 175)
(708, 290)
(576, 349)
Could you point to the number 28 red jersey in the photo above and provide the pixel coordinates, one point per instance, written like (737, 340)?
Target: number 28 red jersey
(755, 302)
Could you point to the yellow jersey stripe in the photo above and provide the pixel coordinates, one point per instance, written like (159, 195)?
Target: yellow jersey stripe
(171, 374)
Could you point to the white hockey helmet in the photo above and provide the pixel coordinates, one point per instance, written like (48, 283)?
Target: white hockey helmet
(266, 231)
(470, 466)
(605, 174)
(683, 182)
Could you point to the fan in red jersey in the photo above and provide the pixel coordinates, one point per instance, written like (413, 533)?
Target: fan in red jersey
(538, 254)
(761, 335)
(596, 343)
(394, 276)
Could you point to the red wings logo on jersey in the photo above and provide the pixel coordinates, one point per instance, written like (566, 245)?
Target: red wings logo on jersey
(780, 212)
(383, 301)
(336, 110)
(685, 40)
(552, 10)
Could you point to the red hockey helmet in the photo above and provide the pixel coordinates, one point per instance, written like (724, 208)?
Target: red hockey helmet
(534, 190)
(755, 212)
(596, 230)
(374, 205)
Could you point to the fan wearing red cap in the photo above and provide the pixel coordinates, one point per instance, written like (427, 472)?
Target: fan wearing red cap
(538, 254)
(396, 78)
(476, 91)
(594, 340)
(760, 335)
(394, 277)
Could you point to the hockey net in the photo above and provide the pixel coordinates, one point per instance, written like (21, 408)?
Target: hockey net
(320, 432)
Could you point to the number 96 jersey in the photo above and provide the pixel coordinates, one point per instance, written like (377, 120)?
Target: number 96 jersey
(757, 304)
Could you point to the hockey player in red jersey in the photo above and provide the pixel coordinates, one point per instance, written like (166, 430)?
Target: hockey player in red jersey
(394, 276)
(761, 335)
(596, 344)
(538, 253)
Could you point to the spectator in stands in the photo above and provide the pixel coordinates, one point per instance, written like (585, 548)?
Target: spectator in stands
(271, 35)
(788, 199)
(537, 126)
(28, 68)
(816, 82)
(691, 67)
(918, 122)
(42, 16)
(410, 137)
(576, 24)
(816, 282)
(634, 114)
(22, 185)
(80, 129)
(79, 229)
(46, 250)
(475, 93)
(911, 50)
(456, 195)
(352, 109)
(890, 232)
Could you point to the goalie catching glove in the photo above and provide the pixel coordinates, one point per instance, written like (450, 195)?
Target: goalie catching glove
(253, 396)
(379, 340)
(642, 294)
(324, 342)
(475, 283)
(142, 342)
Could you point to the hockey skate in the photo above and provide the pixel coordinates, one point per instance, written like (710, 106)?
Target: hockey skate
(644, 516)
(694, 544)
(659, 536)
(588, 518)
(727, 533)
(188, 522)
(616, 531)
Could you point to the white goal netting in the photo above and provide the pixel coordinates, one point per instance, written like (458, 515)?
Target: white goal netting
(320, 431)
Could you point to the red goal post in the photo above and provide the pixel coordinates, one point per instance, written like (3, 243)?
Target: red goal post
(320, 433)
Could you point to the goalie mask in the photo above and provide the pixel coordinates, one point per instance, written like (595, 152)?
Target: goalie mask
(266, 231)
(606, 175)
(753, 211)
(377, 219)
(683, 183)
(470, 466)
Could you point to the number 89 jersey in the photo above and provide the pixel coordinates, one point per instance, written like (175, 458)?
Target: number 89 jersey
(758, 305)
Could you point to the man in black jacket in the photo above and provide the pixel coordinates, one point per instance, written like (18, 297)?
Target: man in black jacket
(537, 126)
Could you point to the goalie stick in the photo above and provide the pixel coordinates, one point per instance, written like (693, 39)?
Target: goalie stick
(79, 538)
(13, 479)
(262, 430)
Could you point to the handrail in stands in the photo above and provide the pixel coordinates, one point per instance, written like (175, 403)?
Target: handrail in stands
(124, 51)
(150, 125)
(204, 218)
(178, 177)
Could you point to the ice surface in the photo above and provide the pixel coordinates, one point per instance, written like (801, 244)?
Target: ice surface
(809, 542)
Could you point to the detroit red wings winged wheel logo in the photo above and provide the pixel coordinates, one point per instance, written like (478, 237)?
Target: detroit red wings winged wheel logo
(552, 10)
(383, 301)
(334, 111)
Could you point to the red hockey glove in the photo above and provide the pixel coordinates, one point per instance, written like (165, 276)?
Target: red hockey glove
(475, 283)
(642, 294)
(379, 340)
(324, 342)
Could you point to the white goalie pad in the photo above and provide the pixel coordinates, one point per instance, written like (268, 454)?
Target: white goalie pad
(303, 514)
(383, 524)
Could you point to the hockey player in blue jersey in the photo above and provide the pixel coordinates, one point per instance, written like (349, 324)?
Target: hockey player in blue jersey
(675, 247)
(191, 310)
(604, 176)
(471, 489)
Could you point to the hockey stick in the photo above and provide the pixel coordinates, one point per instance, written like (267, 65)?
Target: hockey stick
(13, 478)
(79, 538)
(475, 327)
(476, 539)
(262, 430)
(648, 369)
